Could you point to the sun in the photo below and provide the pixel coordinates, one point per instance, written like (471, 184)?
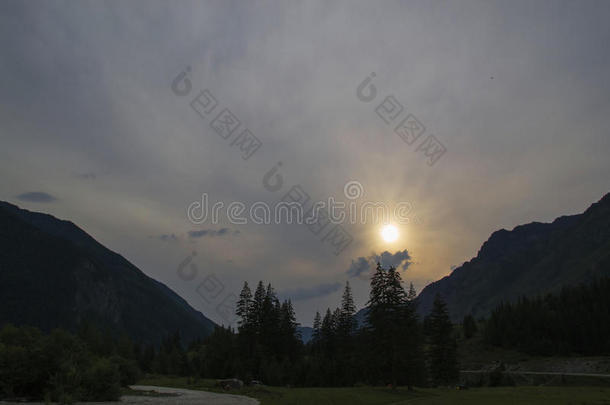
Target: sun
(389, 233)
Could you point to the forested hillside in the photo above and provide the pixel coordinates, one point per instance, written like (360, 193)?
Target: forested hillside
(53, 274)
(531, 259)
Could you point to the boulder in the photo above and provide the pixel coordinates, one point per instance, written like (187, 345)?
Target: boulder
(230, 384)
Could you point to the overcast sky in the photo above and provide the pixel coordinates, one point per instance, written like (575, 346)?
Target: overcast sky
(91, 131)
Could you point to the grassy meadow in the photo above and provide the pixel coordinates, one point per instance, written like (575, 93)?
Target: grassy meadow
(379, 396)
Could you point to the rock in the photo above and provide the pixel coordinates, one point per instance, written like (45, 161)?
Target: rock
(230, 384)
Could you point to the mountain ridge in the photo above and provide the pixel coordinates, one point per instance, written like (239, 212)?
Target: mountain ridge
(530, 259)
(103, 285)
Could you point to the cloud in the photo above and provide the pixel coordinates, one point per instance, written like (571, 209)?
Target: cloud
(87, 176)
(212, 233)
(359, 267)
(400, 259)
(36, 196)
(168, 237)
(320, 290)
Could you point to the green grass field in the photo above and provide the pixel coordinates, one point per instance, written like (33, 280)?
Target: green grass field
(401, 396)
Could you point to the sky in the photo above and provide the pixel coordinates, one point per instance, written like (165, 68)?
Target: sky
(103, 122)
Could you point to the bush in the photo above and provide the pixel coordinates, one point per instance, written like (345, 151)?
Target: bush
(128, 370)
(58, 367)
(469, 326)
(101, 382)
(22, 371)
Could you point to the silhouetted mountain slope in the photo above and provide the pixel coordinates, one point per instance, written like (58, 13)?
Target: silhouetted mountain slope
(306, 333)
(53, 274)
(531, 259)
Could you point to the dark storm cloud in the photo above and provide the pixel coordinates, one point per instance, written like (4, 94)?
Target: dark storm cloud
(305, 293)
(212, 233)
(359, 267)
(36, 196)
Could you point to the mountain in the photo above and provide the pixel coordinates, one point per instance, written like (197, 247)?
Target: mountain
(53, 274)
(361, 317)
(531, 259)
(306, 333)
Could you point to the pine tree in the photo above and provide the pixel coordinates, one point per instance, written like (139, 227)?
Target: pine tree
(411, 303)
(394, 327)
(395, 295)
(257, 307)
(347, 322)
(244, 306)
(413, 356)
(412, 294)
(317, 324)
(377, 300)
(443, 347)
(288, 316)
(290, 337)
(327, 334)
(336, 319)
(270, 292)
(469, 326)
(270, 318)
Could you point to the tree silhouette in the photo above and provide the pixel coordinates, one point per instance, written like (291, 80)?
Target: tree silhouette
(443, 347)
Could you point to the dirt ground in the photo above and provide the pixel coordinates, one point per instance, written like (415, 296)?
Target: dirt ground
(178, 396)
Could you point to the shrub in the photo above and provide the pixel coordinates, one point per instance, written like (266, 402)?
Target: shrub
(101, 382)
(128, 370)
(58, 367)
